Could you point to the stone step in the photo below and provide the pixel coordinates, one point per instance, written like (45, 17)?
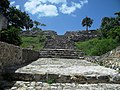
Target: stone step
(60, 53)
(81, 79)
(34, 85)
(63, 71)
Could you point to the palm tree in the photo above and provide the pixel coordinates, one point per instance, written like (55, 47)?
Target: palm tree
(87, 22)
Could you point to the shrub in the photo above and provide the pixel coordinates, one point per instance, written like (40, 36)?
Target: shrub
(11, 35)
(96, 47)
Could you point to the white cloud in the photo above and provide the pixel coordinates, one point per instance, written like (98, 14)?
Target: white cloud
(18, 6)
(57, 1)
(50, 7)
(13, 2)
(82, 2)
(67, 10)
(52, 1)
(47, 10)
(36, 7)
(70, 9)
(31, 6)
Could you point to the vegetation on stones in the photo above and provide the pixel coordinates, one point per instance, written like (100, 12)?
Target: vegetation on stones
(96, 47)
(110, 29)
(108, 23)
(31, 42)
(50, 81)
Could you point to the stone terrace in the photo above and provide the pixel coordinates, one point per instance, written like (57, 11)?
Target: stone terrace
(66, 74)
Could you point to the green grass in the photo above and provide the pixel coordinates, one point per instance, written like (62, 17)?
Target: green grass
(31, 41)
(50, 81)
(96, 47)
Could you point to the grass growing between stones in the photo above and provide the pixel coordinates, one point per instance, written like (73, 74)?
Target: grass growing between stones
(50, 81)
(96, 47)
(31, 42)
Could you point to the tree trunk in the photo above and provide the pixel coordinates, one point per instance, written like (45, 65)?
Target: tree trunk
(86, 28)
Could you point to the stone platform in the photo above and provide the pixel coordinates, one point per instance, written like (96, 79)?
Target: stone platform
(63, 71)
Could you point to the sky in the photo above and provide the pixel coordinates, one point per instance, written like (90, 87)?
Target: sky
(67, 15)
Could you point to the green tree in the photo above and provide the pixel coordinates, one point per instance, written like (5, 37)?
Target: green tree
(87, 22)
(115, 33)
(108, 23)
(118, 17)
(19, 19)
(28, 23)
(41, 36)
(36, 23)
(43, 24)
(11, 35)
(4, 5)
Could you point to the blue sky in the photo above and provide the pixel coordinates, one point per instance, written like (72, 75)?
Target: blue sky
(66, 15)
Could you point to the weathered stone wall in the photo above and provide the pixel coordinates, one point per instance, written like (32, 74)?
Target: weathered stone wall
(111, 59)
(82, 35)
(29, 55)
(11, 55)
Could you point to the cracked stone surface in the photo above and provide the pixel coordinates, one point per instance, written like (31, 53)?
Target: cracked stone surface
(64, 67)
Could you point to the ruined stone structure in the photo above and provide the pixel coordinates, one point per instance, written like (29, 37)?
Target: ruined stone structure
(59, 66)
(110, 59)
(49, 33)
(75, 36)
(3, 22)
(59, 42)
(60, 46)
(36, 32)
(11, 55)
(22, 69)
(82, 35)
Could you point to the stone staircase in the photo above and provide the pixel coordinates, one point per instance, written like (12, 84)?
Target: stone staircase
(60, 47)
(61, 53)
(59, 42)
(61, 74)
(60, 67)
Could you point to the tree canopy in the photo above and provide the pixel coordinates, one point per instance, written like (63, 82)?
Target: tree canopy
(4, 5)
(87, 22)
(17, 20)
(108, 23)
